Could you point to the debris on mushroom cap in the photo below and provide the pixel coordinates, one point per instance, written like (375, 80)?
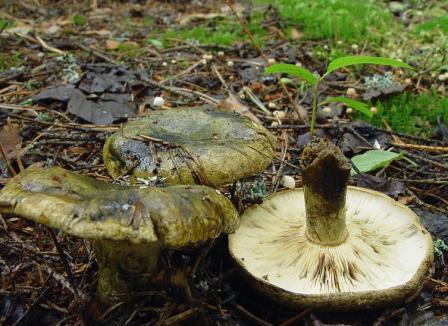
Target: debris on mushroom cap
(175, 216)
(341, 248)
(188, 146)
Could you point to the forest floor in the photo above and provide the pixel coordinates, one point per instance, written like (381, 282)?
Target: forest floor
(121, 55)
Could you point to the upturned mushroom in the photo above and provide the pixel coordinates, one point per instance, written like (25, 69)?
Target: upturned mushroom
(128, 226)
(329, 246)
(190, 146)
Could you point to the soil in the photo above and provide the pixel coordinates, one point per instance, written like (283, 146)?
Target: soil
(73, 85)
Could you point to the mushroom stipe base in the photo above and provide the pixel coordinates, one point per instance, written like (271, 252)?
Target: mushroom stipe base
(124, 269)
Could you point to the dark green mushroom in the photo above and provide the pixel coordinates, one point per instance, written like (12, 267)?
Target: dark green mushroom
(128, 225)
(190, 146)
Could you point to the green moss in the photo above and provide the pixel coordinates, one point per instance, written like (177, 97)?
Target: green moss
(221, 32)
(345, 20)
(412, 113)
(439, 23)
(10, 60)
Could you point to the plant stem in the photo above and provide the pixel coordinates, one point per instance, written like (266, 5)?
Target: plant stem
(315, 98)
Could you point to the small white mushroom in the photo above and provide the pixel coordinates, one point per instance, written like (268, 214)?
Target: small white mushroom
(158, 101)
(351, 92)
(271, 61)
(288, 182)
(326, 110)
(279, 114)
(374, 110)
(230, 63)
(272, 105)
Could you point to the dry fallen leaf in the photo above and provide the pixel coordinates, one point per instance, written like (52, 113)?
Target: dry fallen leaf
(231, 104)
(112, 45)
(10, 139)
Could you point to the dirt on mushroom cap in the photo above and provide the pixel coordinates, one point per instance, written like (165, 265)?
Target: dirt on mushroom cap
(190, 146)
(175, 216)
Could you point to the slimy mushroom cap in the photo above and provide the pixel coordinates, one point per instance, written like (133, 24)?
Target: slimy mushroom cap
(190, 146)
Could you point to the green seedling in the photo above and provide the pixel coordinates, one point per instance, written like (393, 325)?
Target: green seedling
(79, 20)
(315, 79)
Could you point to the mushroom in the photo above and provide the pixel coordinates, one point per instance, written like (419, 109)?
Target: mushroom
(190, 146)
(128, 226)
(327, 246)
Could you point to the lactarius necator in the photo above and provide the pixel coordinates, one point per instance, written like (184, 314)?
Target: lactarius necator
(190, 146)
(128, 226)
(329, 246)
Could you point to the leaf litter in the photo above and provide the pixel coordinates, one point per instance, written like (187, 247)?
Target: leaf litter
(70, 118)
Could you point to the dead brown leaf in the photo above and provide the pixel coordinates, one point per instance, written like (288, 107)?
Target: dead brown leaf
(10, 140)
(231, 104)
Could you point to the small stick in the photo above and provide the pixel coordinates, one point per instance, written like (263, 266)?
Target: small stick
(423, 148)
(47, 47)
(5, 158)
(39, 297)
(14, 140)
(251, 316)
(64, 262)
(296, 318)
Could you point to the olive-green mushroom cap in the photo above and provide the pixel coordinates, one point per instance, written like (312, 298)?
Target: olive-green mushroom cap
(190, 146)
(174, 216)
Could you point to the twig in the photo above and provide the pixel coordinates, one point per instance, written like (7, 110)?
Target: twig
(296, 318)
(251, 316)
(64, 262)
(15, 143)
(180, 317)
(422, 203)
(188, 93)
(5, 158)
(39, 297)
(423, 148)
(47, 47)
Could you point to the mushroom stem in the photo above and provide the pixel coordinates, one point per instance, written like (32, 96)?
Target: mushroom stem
(325, 173)
(124, 268)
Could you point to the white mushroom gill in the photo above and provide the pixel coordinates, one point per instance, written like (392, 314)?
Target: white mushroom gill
(383, 250)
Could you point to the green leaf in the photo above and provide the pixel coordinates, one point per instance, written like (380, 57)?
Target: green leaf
(157, 43)
(359, 60)
(374, 159)
(357, 105)
(292, 70)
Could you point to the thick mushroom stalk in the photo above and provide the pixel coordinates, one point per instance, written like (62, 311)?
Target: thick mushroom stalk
(325, 173)
(124, 268)
(127, 225)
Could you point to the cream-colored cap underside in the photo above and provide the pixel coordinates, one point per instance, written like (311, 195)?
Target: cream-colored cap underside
(384, 249)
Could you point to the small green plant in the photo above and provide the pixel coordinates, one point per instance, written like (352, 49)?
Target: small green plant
(440, 247)
(3, 24)
(79, 20)
(314, 80)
